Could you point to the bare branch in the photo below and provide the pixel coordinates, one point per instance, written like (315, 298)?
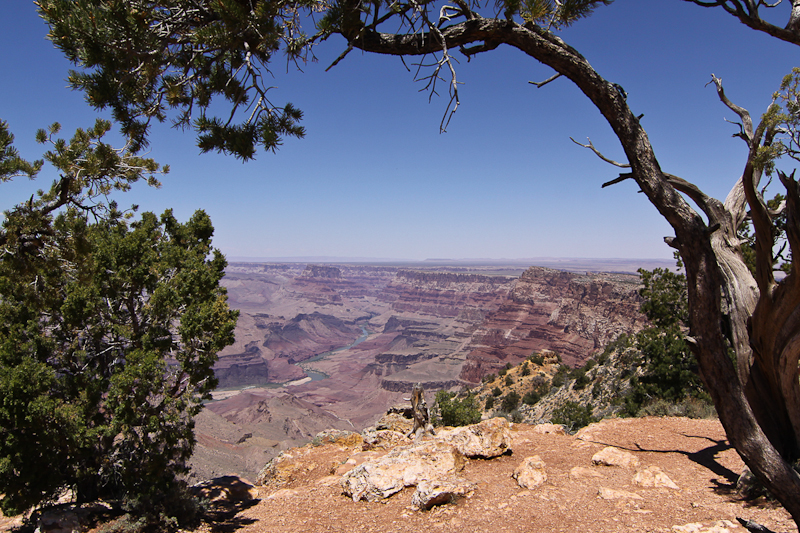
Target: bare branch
(747, 123)
(540, 84)
(591, 147)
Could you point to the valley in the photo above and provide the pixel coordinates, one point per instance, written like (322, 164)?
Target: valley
(334, 345)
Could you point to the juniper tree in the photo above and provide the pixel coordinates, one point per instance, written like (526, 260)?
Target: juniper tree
(109, 328)
(730, 311)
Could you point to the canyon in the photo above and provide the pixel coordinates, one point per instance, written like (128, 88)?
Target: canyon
(322, 346)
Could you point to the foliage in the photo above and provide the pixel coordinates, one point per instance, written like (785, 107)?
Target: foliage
(145, 59)
(668, 368)
(536, 358)
(497, 391)
(509, 381)
(539, 387)
(573, 415)
(560, 377)
(454, 411)
(526, 369)
(510, 402)
(782, 258)
(665, 297)
(109, 329)
(489, 402)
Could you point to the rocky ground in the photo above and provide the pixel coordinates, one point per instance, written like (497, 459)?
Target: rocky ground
(683, 482)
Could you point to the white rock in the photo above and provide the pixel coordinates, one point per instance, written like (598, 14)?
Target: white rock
(530, 473)
(402, 467)
(439, 492)
(489, 438)
(653, 476)
(610, 456)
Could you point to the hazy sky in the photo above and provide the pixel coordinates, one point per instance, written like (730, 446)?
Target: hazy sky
(375, 178)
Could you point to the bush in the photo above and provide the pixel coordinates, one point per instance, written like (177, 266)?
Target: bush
(509, 381)
(573, 415)
(537, 359)
(526, 370)
(489, 402)
(510, 402)
(580, 377)
(560, 378)
(496, 391)
(453, 411)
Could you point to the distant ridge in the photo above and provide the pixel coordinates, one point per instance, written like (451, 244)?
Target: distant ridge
(571, 264)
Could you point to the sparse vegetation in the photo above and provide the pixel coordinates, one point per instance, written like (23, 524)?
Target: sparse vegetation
(573, 415)
(450, 410)
(510, 402)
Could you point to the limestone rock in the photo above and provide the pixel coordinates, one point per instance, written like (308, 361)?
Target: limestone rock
(225, 489)
(404, 466)
(722, 526)
(549, 429)
(530, 473)
(610, 456)
(653, 476)
(581, 472)
(382, 439)
(280, 470)
(486, 439)
(339, 437)
(613, 494)
(439, 492)
(396, 420)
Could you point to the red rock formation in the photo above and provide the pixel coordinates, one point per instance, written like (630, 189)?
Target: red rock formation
(572, 314)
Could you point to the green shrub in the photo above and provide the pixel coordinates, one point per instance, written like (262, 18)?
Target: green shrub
(526, 370)
(453, 411)
(489, 402)
(509, 381)
(560, 377)
(496, 391)
(573, 416)
(510, 402)
(537, 359)
(530, 398)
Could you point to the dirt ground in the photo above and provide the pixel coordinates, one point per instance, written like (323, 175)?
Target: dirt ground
(693, 453)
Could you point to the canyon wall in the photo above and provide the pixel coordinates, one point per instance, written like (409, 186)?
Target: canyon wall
(572, 314)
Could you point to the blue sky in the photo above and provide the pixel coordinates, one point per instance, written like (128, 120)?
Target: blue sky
(375, 178)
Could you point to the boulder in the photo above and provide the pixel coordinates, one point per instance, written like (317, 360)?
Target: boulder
(530, 473)
(382, 439)
(280, 470)
(396, 420)
(610, 456)
(653, 476)
(486, 439)
(439, 492)
(340, 437)
(404, 466)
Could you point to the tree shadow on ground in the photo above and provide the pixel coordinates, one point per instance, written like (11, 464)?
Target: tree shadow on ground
(707, 457)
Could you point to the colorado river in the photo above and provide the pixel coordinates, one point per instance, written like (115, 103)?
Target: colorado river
(317, 376)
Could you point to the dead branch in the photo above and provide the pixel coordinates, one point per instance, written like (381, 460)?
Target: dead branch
(747, 123)
(540, 84)
(597, 152)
